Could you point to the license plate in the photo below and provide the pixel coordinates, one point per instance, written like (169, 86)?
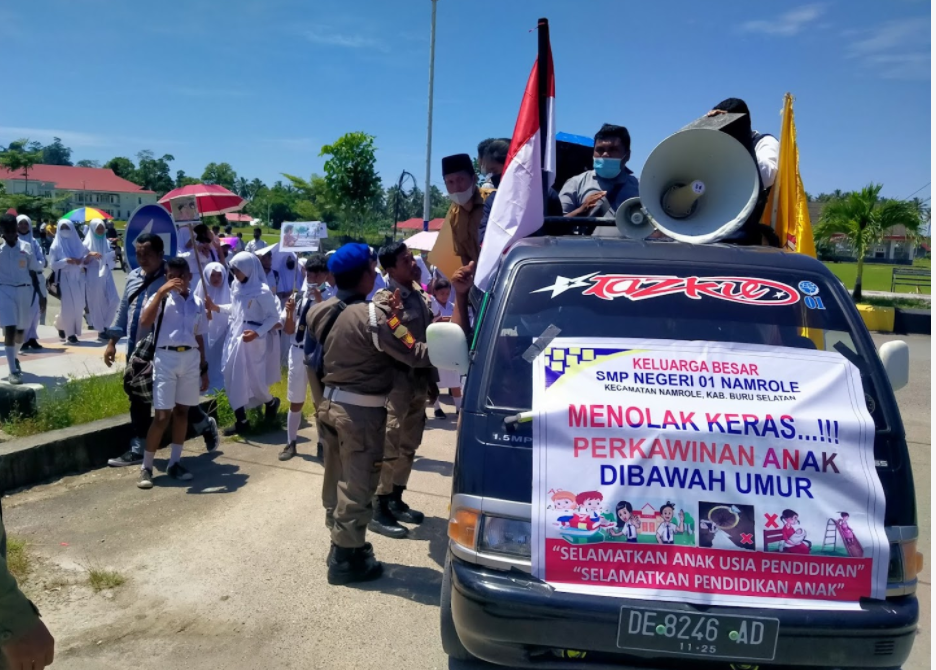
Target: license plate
(697, 634)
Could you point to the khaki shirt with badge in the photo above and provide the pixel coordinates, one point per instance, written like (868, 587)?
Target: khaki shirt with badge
(415, 317)
(353, 361)
(465, 223)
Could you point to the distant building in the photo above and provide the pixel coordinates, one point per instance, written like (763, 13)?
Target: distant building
(85, 187)
(897, 246)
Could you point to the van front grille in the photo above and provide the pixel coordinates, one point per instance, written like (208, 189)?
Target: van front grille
(884, 648)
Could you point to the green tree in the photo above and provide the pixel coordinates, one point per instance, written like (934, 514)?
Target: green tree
(183, 180)
(242, 187)
(153, 173)
(122, 167)
(56, 153)
(88, 163)
(353, 185)
(220, 173)
(438, 203)
(255, 186)
(314, 192)
(863, 218)
(20, 157)
(275, 204)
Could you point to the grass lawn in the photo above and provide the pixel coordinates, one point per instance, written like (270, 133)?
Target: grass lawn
(875, 277)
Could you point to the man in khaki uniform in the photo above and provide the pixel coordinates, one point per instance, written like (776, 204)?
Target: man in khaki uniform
(413, 389)
(25, 642)
(360, 342)
(464, 215)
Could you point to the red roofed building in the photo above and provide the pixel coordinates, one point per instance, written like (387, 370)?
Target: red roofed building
(92, 187)
(417, 224)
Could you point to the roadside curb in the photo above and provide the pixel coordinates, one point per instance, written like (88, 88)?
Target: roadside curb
(27, 461)
(896, 320)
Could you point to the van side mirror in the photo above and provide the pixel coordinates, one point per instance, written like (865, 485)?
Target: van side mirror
(896, 358)
(448, 347)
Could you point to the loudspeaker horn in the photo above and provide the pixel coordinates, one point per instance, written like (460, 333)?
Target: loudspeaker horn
(699, 186)
(632, 221)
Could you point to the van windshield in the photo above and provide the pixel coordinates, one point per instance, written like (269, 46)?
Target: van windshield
(660, 301)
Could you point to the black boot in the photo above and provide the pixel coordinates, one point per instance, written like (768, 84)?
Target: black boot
(346, 566)
(367, 549)
(239, 428)
(401, 511)
(384, 522)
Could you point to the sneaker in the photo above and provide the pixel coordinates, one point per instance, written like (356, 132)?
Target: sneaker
(125, 459)
(33, 345)
(272, 408)
(62, 335)
(439, 414)
(19, 368)
(211, 435)
(288, 452)
(73, 340)
(146, 479)
(178, 471)
(236, 429)
(14, 379)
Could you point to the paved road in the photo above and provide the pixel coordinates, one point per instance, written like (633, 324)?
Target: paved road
(228, 572)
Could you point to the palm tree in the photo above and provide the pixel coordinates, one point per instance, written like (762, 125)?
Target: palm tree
(862, 218)
(242, 187)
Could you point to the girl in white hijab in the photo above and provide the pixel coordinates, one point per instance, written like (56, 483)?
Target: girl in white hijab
(253, 312)
(214, 282)
(25, 231)
(67, 257)
(100, 289)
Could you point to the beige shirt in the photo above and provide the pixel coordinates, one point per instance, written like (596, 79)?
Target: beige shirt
(465, 223)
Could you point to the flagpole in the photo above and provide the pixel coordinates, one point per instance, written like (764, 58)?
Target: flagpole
(542, 72)
(427, 196)
(776, 187)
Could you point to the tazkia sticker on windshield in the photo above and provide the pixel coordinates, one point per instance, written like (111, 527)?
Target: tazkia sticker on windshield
(744, 290)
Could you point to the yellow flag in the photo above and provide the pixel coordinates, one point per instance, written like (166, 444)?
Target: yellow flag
(787, 209)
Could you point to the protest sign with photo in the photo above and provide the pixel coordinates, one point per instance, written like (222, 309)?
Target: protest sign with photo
(302, 235)
(705, 473)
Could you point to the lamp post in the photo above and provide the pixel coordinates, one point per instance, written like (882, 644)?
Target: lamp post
(427, 197)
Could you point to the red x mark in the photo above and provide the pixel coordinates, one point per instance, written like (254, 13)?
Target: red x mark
(771, 520)
(747, 538)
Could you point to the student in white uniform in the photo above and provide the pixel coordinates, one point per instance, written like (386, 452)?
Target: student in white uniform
(25, 233)
(19, 272)
(426, 275)
(100, 290)
(253, 312)
(276, 350)
(206, 250)
(314, 290)
(214, 283)
(442, 308)
(68, 257)
(666, 531)
(180, 371)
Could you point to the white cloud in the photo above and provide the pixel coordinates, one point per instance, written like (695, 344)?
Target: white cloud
(787, 24)
(897, 49)
(69, 138)
(328, 37)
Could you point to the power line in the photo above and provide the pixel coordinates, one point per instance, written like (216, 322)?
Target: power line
(917, 191)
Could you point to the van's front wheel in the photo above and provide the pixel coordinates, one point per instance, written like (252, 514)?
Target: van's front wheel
(451, 645)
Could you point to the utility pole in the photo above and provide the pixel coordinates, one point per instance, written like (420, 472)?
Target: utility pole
(427, 198)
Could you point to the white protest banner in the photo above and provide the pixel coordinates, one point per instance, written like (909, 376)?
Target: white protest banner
(302, 235)
(185, 214)
(705, 473)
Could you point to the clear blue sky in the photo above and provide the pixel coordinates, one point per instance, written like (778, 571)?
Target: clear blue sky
(263, 84)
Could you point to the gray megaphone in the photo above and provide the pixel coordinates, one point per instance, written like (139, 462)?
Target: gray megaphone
(699, 186)
(632, 221)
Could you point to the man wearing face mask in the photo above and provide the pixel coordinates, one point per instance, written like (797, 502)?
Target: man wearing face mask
(464, 215)
(601, 190)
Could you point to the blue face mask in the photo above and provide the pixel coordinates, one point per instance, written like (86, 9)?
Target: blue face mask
(608, 168)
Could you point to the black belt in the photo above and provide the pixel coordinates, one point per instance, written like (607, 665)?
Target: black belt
(16, 285)
(253, 323)
(177, 348)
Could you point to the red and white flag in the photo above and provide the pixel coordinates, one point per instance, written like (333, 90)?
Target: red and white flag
(519, 204)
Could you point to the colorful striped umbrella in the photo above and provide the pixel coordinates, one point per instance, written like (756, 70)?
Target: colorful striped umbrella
(85, 214)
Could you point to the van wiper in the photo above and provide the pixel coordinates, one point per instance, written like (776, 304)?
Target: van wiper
(522, 417)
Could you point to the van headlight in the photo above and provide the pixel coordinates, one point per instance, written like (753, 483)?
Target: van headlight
(500, 535)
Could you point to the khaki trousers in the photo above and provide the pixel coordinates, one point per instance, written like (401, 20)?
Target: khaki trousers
(406, 421)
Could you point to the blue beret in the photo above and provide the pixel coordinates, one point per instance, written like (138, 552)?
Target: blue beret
(349, 257)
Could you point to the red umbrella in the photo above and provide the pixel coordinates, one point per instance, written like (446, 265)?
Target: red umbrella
(212, 199)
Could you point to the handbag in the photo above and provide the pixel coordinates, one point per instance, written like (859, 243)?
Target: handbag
(52, 285)
(138, 374)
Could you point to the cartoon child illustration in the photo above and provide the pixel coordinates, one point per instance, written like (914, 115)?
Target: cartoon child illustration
(794, 537)
(666, 531)
(626, 525)
(563, 501)
(852, 545)
(587, 517)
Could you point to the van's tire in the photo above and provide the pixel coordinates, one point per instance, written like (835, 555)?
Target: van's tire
(451, 645)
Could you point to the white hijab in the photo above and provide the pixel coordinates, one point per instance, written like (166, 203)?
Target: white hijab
(28, 235)
(67, 247)
(220, 295)
(94, 243)
(253, 288)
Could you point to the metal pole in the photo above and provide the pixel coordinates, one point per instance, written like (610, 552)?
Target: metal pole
(427, 198)
(542, 73)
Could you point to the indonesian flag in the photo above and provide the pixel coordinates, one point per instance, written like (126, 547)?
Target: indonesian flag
(518, 206)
